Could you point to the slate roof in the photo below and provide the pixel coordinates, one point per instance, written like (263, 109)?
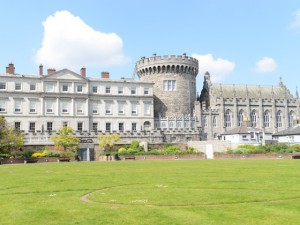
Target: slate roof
(243, 130)
(289, 131)
(250, 91)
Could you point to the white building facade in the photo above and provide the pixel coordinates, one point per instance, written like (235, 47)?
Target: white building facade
(41, 103)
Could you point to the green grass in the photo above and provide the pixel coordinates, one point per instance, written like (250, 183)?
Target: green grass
(151, 192)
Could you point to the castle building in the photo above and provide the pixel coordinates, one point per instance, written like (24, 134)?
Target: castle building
(221, 108)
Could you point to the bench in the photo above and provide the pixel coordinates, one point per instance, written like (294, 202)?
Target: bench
(30, 160)
(129, 157)
(64, 159)
(296, 155)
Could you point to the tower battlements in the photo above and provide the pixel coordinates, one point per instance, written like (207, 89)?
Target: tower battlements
(167, 64)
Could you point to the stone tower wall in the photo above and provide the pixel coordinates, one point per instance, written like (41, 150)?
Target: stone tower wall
(183, 70)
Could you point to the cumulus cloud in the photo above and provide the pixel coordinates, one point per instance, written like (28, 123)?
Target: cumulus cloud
(296, 22)
(70, 43)
(266, 65)
(218, 68)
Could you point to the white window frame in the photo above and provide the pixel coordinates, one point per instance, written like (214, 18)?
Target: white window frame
(18, 106)
(49, 123)
(121, 108)
(108, 108)
(134, 108)
(2, 106)
(65, 107)
(32, 125)
(80, 124)
(121, 126)
(95, 89)
(32, 107)
(146, 91)
(49, 107)
(32, 87)
(18, 86)
(95, 108)
(63, 86)
(120, 90)
(133, 90)
(2, 85)
(147, 109)
(95, 125)
(49, 87)
(108, 125)
(79, 88)
(169, 85)
(79, 107)
(107, 89)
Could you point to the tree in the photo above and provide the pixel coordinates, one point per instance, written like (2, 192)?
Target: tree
(10, 139)
(65, 139)
(108, 141)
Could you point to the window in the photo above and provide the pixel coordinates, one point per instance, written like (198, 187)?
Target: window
(95, 126)
(133, 90)
(2, 86)
(32, 107)
(49, 87)
(32, 87)
(65, 124)
(79, 107)
(279, 119)
(214, 121)
(291, 119)
(121, 108)
(252, 135)
(32, 126)
(108, 127)
(108, 108)
(147, 109)
(253, 118)
(120, 90)
(95, 108)
(121, 126)
(146, 91)
(240, 117)
(65, 107)
(95, 89)
(169, 85)
(134, 109)
(17, 86)
(227, 118)
(205, 123)
(266, 119)
(107, 90)
(244, 136)
(2, 106)
(79, 88)
(49, 107)
(18, 106)
(80, 126)
(18, 126)
(133, 126)
(65, 87)
(49, 126)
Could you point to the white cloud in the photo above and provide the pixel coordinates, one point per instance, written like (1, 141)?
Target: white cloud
(296, 22)
(70, 43)
(266, 65)
(218, 68)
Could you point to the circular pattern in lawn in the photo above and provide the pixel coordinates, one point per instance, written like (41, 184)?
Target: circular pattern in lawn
(172, 195)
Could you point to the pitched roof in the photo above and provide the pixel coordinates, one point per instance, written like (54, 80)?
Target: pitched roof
(243, 130)
(250, 91)
(289, 131)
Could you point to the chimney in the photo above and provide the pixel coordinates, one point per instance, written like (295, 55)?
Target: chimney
(50, 71)
(83, 72)
(105, 75)
(10, 69)
(41, 70)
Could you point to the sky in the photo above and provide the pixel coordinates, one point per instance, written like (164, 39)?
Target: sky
(239, 42)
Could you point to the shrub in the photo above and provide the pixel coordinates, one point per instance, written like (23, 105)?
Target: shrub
(122, 150)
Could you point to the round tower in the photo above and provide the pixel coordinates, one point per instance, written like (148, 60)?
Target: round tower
(174, 81)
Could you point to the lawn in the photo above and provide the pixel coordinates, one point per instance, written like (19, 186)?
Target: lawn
(151, 192)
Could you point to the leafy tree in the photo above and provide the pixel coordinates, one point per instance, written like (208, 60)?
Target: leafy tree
(108, 141)
(10, 139)
(65, 139)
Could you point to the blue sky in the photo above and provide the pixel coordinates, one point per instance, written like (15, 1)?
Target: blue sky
(238, 42)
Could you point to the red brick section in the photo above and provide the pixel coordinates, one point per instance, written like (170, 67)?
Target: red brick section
(83, 72)
(10, 69)
(50, 71)
(105, 75)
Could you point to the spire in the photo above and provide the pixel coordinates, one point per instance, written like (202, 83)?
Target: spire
(297, 94)
(234, 91)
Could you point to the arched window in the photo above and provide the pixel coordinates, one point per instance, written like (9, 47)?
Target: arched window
(253, 118)
(171, 124)
(241, 117)
(205, 124)
(266, 119)
(147, 125)
(279, 118)
(291, 119)
(214, 121)
(227, 118)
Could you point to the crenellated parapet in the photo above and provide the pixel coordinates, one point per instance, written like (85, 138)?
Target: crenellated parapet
(180, 64)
